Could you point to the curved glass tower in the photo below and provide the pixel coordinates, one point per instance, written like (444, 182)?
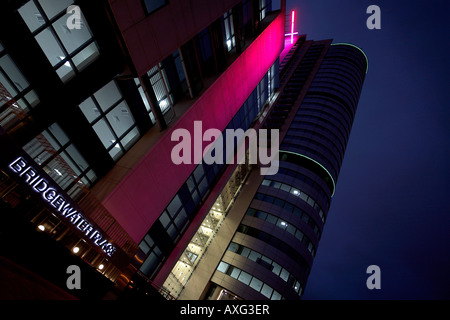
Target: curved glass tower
(271, 253)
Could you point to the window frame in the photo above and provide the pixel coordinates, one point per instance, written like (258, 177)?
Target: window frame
(118, 141)
(68, 59)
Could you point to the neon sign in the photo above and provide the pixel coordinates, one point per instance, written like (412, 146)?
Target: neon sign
(60, 204)
(292, 27)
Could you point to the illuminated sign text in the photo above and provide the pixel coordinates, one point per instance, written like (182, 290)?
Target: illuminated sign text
(60, 204)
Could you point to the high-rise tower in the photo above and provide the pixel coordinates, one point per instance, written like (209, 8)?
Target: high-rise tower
(270, 237)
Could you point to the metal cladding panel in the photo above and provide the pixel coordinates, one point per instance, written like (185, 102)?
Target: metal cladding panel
(138, 200)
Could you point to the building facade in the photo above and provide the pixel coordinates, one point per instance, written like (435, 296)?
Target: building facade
(92, 93)
(268, 244)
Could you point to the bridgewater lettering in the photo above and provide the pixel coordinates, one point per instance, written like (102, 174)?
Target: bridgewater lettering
(57, 201)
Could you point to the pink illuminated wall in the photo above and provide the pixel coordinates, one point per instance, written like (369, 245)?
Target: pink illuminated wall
(142, 195)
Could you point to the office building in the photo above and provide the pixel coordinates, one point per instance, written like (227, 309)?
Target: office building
(92, 93)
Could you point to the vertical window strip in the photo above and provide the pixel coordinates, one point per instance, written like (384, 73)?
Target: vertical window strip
(228, 24)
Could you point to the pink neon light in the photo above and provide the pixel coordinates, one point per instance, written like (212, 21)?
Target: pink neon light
(292, 26)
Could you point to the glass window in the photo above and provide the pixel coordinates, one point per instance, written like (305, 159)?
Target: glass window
(256, 284)
(50, 46)
(104, 133)
(11, 92)
(15, 92)
(228, 25)
(199, 173)
(285, 187)
(284, 275)
(299, 235)
(172, 231)
(233, 247)
(13, 72)
(60, 158)
(291, 229)
(86, 56)
(276, 295)
(77, 158)
(65, 72)
(234, 272)
(53, 7)
(164, 219)
(266, 290)
(120, 118)
(288, 206)
(69, 49)
(129, 140)
(204, 42)
(223, 267)
(181, 219)
(149, 240)
(254, 256)
(276, 268)
(32, 16)
(245, 277)
(153, 5)
(108, 95)
(174, 205)
(282, 224)
(272, 219)
(144, 247)
(275, 184)
(161, 87)
(203, 186)
(261, 215)
(149, 264)
(90, 110)
(111, 119)
(72, 39)
(245, 252)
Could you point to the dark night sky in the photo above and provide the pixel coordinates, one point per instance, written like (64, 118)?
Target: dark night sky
(392, 204)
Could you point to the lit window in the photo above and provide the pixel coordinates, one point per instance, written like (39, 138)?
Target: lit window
(68, 46)
(61, 160)
(161, 87)
(256, 284)
(266, 290)
(15, 93)
(111, 119)
(145, 100)
(228, 26)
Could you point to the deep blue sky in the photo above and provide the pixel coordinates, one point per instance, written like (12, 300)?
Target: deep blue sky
(392, 204)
